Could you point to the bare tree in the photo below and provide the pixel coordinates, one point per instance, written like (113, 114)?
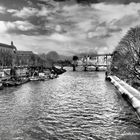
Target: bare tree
(126, 57)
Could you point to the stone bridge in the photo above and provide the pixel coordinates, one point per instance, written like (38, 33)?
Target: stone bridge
(99, 60)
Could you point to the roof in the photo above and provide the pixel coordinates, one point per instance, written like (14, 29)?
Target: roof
(24, 52)
(7, 46)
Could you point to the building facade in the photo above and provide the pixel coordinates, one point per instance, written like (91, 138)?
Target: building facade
(24, 58)
(7, 54)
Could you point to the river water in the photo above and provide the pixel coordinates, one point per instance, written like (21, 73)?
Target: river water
(75, 106)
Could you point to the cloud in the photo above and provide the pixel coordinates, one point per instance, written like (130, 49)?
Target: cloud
(128, 21)
(12, 10)
(17, 25)
(60, 38)
(3, 27)
(107, 1)
(70, 28)
(2, 9)
(85, 25)
(23, 25)
(24, 13)
(109, 12)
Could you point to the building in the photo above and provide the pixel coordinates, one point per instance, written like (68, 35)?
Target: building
(24, 57)
(7, 54)
(11, 48)
(24, 53)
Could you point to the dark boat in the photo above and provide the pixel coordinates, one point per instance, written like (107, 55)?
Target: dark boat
(58, 71)
(22, 81)
(25, 80)
(18, 83)
(9, 83)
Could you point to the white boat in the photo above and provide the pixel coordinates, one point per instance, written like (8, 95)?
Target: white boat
(34, 78)
(39, 78)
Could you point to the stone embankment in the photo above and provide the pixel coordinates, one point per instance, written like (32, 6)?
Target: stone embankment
(128, 92)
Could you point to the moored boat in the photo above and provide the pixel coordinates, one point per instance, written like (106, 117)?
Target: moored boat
(34, 78)
(9, 83)
(18, 82)
(25, 80)
(53, 76)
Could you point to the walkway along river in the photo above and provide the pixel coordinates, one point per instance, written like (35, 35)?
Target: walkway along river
(75, 106)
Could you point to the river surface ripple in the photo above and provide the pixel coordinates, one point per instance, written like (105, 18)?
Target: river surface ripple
(75, 106)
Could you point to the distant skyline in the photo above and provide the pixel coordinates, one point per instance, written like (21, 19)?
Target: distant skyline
(66, 27)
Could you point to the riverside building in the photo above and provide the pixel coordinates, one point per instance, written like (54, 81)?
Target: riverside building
(24, 57)
(7, 54)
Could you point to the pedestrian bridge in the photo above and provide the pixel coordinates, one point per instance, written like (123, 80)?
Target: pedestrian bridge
(97, 61)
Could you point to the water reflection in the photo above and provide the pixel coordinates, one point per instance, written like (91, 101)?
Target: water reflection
(75, 106)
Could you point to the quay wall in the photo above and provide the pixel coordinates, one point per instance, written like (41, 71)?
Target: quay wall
(128, 92)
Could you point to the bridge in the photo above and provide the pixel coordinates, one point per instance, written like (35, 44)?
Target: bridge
(97, 61)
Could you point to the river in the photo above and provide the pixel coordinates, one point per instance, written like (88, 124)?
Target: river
(75, 106)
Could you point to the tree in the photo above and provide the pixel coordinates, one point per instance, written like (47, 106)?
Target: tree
(126, 57)
(52, 56)
(75, 58)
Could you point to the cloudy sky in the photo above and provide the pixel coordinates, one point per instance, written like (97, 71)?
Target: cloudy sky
(66, 27)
